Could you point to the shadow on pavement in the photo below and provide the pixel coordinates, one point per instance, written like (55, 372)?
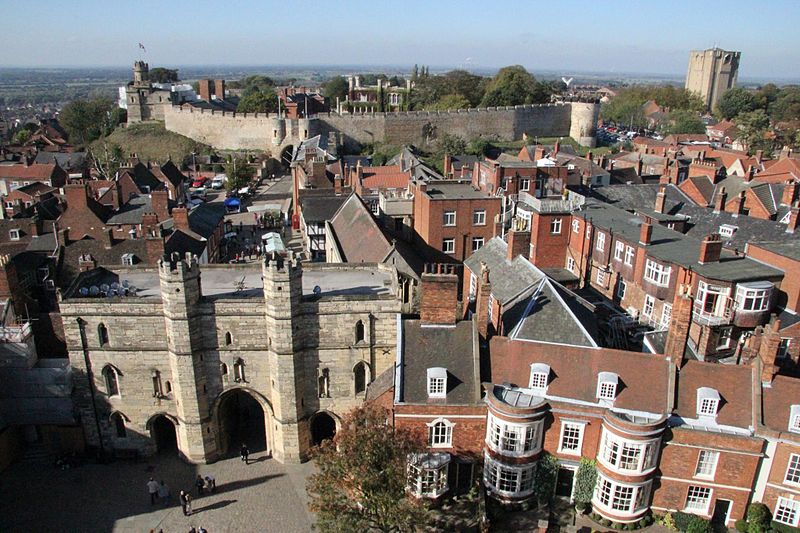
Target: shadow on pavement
(218, 505)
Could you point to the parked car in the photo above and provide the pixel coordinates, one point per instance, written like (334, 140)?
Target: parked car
(199, 192)
(199, 181)
(218, 182)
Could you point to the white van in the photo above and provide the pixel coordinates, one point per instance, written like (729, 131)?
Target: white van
(218, 182)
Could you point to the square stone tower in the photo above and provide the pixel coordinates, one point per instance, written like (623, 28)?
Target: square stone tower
(711, 73)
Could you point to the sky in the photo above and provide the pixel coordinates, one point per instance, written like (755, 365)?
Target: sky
(564, 36)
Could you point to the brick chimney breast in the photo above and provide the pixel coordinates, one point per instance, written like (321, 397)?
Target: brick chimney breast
(180, 218)
(645, 233)
(710, 249)
(439, 294)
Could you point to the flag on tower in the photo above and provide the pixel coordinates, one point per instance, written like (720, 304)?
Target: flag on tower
(142, 47)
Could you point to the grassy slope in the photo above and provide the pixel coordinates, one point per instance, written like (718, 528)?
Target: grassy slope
(151, 141)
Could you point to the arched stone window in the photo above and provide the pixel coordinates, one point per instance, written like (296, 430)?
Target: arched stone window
(111, 379)
(228, 338)
(323, 384)
(238, 371)
(360, 377)
(158, 392)
(102, 334)
(223, 369)
(359, 332)
(167, 387)
(119, 425)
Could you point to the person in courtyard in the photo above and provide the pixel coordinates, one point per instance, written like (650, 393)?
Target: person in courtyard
(211, 483)
(200, 484)
(163, 492)
(186, 503)
(245, 452)
(152, 489)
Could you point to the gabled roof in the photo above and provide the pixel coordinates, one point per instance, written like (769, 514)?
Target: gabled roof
(509, 279)
(182, 242)
(319, 207)
(169, 172)
(132, 212)
(359, 238)
(69, 161)
(385, 177)
(35, 171)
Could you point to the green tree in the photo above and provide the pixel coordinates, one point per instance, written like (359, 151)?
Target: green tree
(239, 173)
(335, 87)
(465, 84)
(682, 121)
(734, 102)
(545, 478)
(449, 101)
(360, 480)
(163, 75)
(258, 101)
(752, 127)
(758, 518)
(451, 144)
(513, 86)
(786, 106)
(585, 480)
(21, 137)
(87, 120)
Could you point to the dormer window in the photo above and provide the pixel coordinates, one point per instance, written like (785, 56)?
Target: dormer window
(794, 419)
(437, 382)
(727, 230)
(13, 234)
(540, 375)
(607, 386)
(707, 401)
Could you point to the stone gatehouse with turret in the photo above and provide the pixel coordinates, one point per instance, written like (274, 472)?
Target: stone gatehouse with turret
(203, 360)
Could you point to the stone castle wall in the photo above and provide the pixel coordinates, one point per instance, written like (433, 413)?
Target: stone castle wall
(260, 131)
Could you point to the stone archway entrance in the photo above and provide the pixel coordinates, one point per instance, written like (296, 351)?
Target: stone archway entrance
(163, 432)
(323, 427)
(241, 420)
(286, 155)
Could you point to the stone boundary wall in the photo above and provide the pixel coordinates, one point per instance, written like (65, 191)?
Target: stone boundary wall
(267, 131)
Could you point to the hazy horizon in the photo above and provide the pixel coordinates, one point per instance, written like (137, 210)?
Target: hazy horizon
(564, 37)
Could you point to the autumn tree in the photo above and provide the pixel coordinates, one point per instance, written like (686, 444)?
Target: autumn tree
(361, 477)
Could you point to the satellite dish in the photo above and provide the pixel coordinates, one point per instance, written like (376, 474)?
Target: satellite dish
(94, 290)
(567, 81)
(84, 291)
(317, 289)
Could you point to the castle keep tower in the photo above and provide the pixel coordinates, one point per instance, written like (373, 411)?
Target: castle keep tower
(583, 123)
(141, 74)
(711, 73)
(180, 293)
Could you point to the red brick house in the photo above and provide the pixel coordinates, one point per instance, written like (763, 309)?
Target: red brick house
(15, 175)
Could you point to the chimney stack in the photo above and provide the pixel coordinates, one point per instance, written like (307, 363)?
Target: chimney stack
(180, 218)
(719, 200)
(439, 294)
(108, 238)
(661, 198)
(794, 211)
(645, 233)
(750, 174)
(639, 165)
(710, 249)
(86, 262)
(759, 156)
(789, 192)
(484, 291)
(768, 351)
(337, 184)
(678, 327)
(519, 243)
(448, 165)
(740, 201)
(159, 201)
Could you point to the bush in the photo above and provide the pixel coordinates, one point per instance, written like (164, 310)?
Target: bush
(669, 522)
(585, 480)
(605, 522)
(682, 520)
(758, 518)
(630, 527)
(699, 525)
(741, 526)
(646, 520)
(783, 528)
(617, 525)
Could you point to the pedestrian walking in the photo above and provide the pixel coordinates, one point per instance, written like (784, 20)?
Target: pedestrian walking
(245, 453)
(152, 489)
(200, 484)
(186, 503)
(163, 492)
(211, 483)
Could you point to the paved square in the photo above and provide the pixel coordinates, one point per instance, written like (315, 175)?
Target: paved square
(262, 496)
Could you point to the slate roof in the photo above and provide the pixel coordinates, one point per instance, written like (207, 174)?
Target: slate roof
(671, 246)
(509, 279)
(182, 242)
(171, 173)
(408, 160)
(381, 384)
(552, 314)
(204, 219)
(436, 346)
(68, 270)
(463, 160)
(131, 212)
(69, 161)
(359, 238)
(319, 208)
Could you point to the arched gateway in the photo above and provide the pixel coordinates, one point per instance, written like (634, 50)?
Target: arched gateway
(242, 418)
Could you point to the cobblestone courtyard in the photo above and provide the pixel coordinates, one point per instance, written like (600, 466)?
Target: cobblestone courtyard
(262, 496)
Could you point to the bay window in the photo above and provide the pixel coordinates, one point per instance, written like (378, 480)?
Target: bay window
(753, 296)
(620, 498)
(509, 480)
(626, 455)
(426, 474)
(516, 440)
